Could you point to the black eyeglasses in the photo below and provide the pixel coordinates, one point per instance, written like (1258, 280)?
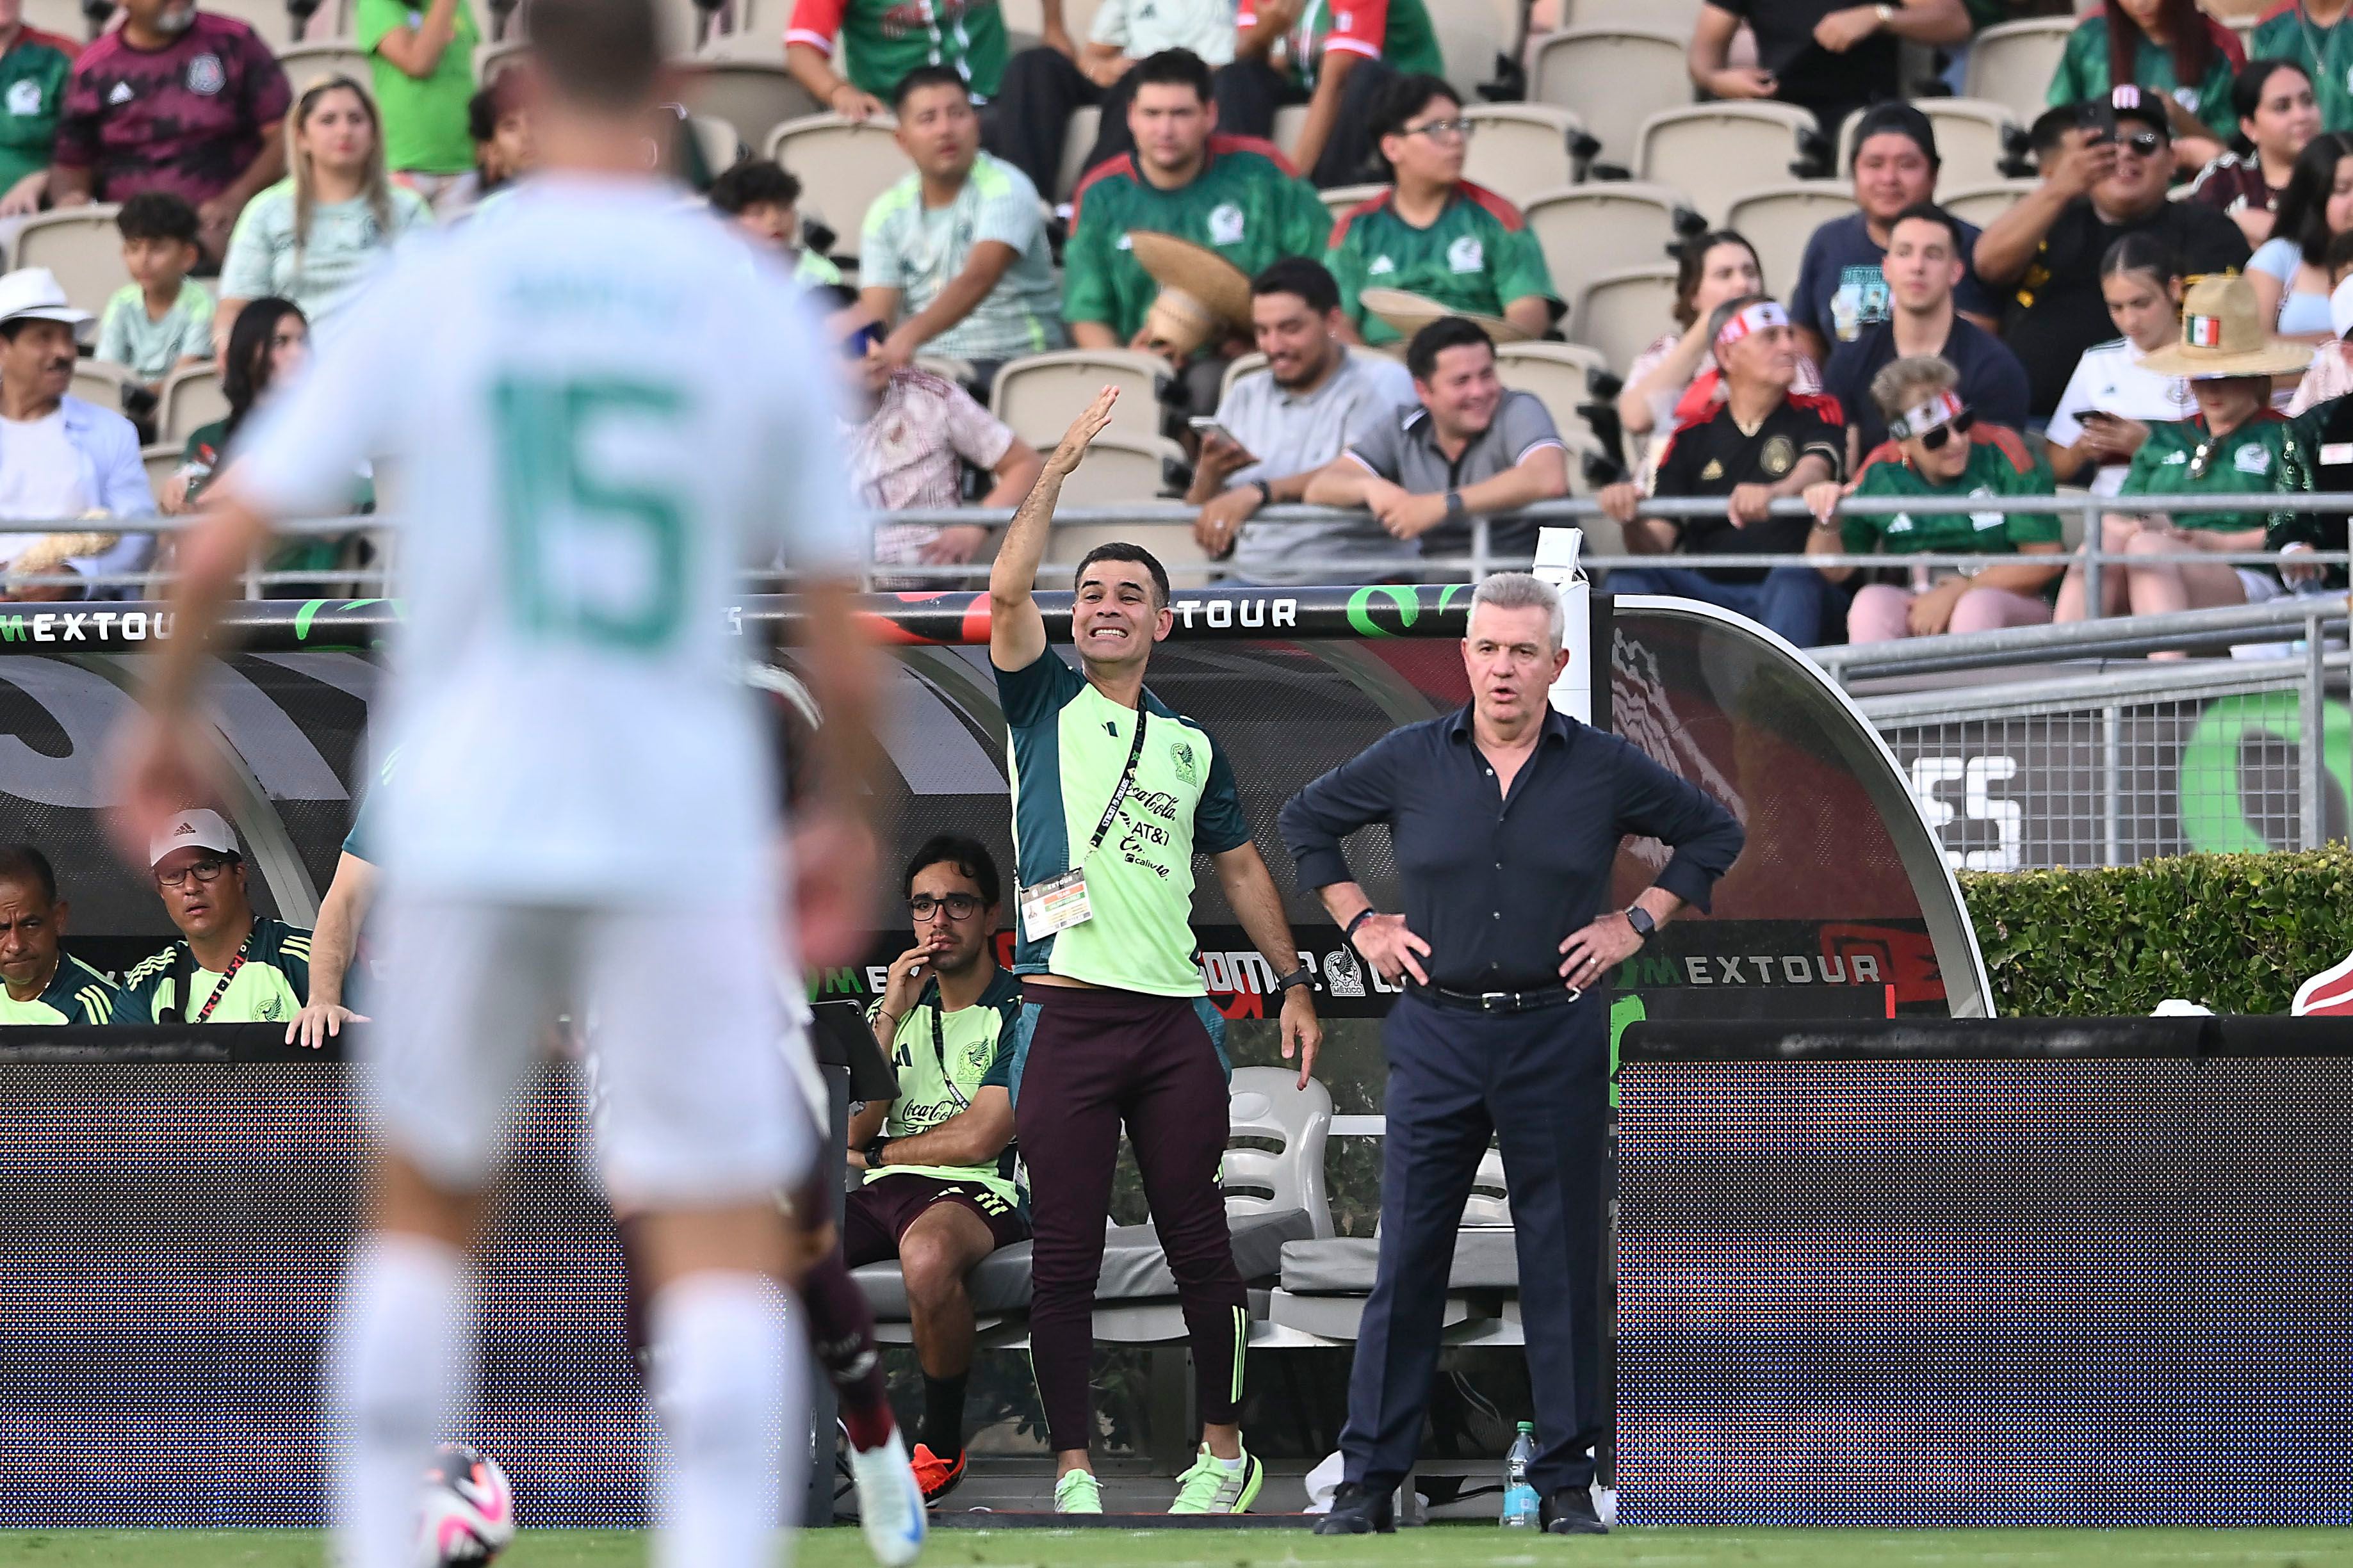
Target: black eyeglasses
(959, 907)
(1441, 130)
(1959, 424)
(206, 870)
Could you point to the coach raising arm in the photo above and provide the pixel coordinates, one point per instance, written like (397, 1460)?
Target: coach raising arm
(1113, 793)
(1506, 818)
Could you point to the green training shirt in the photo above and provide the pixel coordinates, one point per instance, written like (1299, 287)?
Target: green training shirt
(1999, 464)
(2260, 458)
(1478, 257)
(2325, 55)
(941, 1074)
(269, 988)
(1070, 746)
(76, 994)
(1246, 205)
(2082, 74)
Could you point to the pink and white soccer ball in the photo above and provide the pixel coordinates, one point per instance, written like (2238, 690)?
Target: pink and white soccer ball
(468, 1512)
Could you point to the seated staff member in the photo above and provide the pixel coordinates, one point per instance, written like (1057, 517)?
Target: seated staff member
(939, 1193)
(1433, 233)
(44, 984)
(2235, 446)
(1761, 444)
(1937, 446)
(229, 964)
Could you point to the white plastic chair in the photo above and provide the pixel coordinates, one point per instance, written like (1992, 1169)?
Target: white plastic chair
(1621, 313)
(1521, 149)
(1267, 1103)
(1040, 395)
(192, 399)
(1612, 78)
(2013, 64)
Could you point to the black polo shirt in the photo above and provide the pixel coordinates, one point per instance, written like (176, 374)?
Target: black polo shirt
(1711, 456)
(2055, 310)
(1495, 883)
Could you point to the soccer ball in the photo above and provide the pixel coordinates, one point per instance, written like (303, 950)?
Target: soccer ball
(467, 1513)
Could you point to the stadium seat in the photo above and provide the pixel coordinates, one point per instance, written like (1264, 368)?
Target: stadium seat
(491, 59)
(193, 399)
(1471, 36)
(66, 18)
(1289, 121)
(1029, 17)
(269, 18)
(102, 381)
(843, 167)
(1246, 365)
(1780, 219)
(764, 47)
(1078, 140)
(754, 99)
(1719, 152)
(1561, 375)
(717, 139)
(2012, 64)
(161, 460)
(1603, 227)
(1612, 78)
(1339, 199)
(1521, 149)
(1676, 16)
(1980, 204)
(686, 22)
(1040, 395)
(1622, 312)
(1972, 138)
(1326, 1281)
(81, 245)
(1122, 466)
(306, 64)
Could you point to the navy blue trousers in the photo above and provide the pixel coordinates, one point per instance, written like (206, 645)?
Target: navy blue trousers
(1540, 1081)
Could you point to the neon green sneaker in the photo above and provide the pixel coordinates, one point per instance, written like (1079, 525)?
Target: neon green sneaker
(1078, 1492)
(1211, 1487)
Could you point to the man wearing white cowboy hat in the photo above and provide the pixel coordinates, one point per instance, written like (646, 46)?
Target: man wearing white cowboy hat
(2235, 447)
(62, 459)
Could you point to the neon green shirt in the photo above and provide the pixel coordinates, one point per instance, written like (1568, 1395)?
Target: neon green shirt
(268, 988)
(76, 994)
(1246, 205)
(941, 1074)
(2082, 74)
(1070, 746)
(424, 129)
(1999, 465)
(1477, 258)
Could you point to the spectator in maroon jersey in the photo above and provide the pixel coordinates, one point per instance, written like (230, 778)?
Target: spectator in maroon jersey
(174, 100)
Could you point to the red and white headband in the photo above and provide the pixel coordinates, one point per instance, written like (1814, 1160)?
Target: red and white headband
(1941, 409)
(1756, 318)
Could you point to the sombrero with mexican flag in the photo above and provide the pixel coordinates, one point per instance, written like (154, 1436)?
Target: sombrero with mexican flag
(2223, 335)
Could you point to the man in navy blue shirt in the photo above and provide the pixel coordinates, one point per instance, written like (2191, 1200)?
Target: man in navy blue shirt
(1504, 1029)
(1925, 247)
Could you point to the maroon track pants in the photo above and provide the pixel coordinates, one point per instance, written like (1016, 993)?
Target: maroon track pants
(1097, 1059)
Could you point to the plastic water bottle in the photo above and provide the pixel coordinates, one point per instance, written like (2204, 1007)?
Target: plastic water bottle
(1520, 1501)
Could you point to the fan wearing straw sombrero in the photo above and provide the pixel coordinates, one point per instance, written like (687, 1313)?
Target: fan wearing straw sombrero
(2236, 446)
(1434, 243)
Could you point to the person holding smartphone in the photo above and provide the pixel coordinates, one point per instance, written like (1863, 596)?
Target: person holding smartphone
(2113, 398)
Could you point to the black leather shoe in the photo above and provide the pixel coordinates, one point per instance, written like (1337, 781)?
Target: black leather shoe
(1570, 1511)
(1356, 1511)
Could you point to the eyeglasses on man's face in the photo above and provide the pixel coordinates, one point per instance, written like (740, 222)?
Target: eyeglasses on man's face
(204, 870)
(955, 906)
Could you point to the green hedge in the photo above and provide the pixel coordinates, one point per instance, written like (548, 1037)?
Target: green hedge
(2238, 932)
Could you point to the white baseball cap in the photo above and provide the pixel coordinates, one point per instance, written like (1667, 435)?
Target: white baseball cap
(34, 293)
(196, 829)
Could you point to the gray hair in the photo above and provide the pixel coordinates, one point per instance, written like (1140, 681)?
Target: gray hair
(1520, 591)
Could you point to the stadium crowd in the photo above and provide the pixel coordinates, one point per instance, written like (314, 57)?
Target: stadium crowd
(1346, 319)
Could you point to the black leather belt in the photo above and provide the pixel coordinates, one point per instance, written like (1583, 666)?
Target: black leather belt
(1497, 1001)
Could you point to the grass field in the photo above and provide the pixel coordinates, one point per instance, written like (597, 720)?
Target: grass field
(1455, 1546)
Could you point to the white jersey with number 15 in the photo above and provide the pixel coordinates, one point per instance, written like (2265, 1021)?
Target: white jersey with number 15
(594, 414)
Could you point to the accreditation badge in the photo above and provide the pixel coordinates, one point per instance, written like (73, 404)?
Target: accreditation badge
(1055, 904)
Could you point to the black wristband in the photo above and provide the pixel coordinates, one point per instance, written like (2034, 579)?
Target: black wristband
(873, 1151)
(1265, 492)
(1348, 931)
(1297, 980)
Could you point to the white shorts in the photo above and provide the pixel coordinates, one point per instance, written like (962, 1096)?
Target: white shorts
(698, 1104)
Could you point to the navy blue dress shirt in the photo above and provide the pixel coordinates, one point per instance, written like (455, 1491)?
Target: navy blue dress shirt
(1496, 883)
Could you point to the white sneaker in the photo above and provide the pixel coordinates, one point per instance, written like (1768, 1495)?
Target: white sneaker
(889, 1503)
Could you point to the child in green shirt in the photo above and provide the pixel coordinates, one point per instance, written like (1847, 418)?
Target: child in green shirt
(159, 321)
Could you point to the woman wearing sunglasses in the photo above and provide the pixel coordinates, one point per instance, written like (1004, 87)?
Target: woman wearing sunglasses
(2235, 448)
(1936, 447)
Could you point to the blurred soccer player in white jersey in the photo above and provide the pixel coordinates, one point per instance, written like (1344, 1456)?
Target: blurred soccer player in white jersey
(600, 415)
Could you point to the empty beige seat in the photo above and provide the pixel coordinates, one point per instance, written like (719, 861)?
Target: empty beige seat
(102, 381)
(193, 399)
(81, 245)
(1521, 149)
(1603, 227)
(1240, 366)
(1612, 78)
(1078, 140)
(1471, 35)
(1289, 121)
(1040, 395)
(1980, 204)
(2013, 64)
(717, 141)
(66, 18)
(162, 461)
(764, 47)
(1560, 374)
(842, 165)
(753, 99)
(1133, 468)
(1719, 152)
(1780, 220)
(305, 64)
(1621, 313)
(269, 18)
(1674, 15)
